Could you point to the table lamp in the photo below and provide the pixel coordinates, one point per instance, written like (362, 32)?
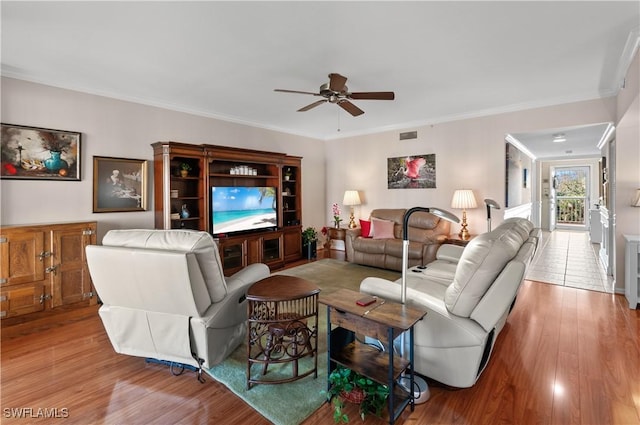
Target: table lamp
(351, 198)
(463, 199)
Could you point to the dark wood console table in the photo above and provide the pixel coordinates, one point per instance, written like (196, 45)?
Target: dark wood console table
(383, 320)
(282, 327)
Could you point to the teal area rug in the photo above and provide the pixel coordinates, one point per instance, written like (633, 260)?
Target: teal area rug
(292, 403)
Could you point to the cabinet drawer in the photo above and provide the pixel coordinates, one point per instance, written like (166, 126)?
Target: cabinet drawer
(21, 299)
(359, 324)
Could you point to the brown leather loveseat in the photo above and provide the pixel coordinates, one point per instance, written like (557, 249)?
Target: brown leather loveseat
(384, 249)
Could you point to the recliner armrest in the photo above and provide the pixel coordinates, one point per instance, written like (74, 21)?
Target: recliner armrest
(250, 274)
(232, 309)
(449, 252)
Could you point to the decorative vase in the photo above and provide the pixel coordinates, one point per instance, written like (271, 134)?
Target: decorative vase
(184, 212)
(55, 163)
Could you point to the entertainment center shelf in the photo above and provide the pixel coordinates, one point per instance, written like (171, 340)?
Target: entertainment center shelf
(187, 201)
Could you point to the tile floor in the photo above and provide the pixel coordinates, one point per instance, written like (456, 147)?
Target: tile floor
(568, 258)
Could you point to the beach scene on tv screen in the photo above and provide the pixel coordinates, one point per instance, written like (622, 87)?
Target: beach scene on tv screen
(237, 209)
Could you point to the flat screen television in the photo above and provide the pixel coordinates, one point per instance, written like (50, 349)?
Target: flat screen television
(243, 209)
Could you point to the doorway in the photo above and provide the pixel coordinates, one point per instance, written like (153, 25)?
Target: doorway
(570, 197)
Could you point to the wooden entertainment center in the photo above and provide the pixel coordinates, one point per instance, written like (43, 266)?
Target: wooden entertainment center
(184, 202)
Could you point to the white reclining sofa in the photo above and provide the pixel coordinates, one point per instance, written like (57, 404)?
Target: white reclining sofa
(468, 293)
(165, 296)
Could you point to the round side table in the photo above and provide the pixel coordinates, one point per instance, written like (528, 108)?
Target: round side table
(282, 314)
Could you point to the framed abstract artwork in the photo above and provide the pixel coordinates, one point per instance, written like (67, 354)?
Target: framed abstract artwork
(119, 184)
(33, 153)
(411, 172)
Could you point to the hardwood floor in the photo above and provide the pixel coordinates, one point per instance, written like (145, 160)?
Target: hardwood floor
(566, 356)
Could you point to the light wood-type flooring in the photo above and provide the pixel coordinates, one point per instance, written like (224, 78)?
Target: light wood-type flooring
(565, 356)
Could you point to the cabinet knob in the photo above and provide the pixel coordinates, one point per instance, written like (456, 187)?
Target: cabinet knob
(43, 255)
(53, 269)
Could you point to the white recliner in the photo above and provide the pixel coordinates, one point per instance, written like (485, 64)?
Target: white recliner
(468, 295)
(165, 296)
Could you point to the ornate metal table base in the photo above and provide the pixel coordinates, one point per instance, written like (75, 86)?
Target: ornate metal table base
(282, 329)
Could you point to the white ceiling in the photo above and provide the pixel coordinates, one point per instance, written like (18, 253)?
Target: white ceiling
(444, 60)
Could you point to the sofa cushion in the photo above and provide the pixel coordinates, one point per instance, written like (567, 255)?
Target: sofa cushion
(382, 229)
(393, 247)
(200, 243)
(365, 228)
(369, 246)
(391, 214)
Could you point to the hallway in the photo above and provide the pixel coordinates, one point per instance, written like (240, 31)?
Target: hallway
(568, 258)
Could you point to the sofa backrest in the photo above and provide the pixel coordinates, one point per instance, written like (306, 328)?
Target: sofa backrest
(423, 226)
(482, 261)
(201, 244)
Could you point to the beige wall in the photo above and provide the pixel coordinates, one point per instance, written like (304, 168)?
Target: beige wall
(116, 128)
(470, 153)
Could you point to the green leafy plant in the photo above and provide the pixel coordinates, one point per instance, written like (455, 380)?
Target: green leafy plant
(344, 381)
(185, 166)
(309, 235)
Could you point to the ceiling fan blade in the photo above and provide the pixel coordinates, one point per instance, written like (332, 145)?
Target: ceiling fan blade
(337, 82)
(350, 108)
(373, 95)
(313, 105)
(296, 91)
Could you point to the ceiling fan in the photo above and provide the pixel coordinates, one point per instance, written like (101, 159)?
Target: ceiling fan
(335, 91)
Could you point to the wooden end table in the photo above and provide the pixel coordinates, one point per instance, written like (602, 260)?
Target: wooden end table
(282, 313)
(384, 320)
(454, 239)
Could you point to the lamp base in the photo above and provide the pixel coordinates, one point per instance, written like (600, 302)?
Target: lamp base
(352, 221)
(464, 233)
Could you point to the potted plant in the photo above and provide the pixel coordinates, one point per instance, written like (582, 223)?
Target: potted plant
(287, 173)
(309, 242)
(347, 385)
(185, 167)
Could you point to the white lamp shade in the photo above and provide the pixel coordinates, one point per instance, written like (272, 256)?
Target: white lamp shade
(351, 197)
(463, 199)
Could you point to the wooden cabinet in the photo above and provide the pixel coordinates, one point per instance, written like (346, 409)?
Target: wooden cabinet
(43, 268)
(291, 192)
(179, 200)
(237, 252)
(220, 166)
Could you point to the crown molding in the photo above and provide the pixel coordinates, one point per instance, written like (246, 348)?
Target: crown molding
(630, 49)
(518, 144)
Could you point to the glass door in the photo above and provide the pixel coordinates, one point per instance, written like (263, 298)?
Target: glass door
(571, 189)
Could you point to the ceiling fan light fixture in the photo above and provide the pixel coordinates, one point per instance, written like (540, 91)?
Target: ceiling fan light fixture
(559, 138)
(336, 92)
